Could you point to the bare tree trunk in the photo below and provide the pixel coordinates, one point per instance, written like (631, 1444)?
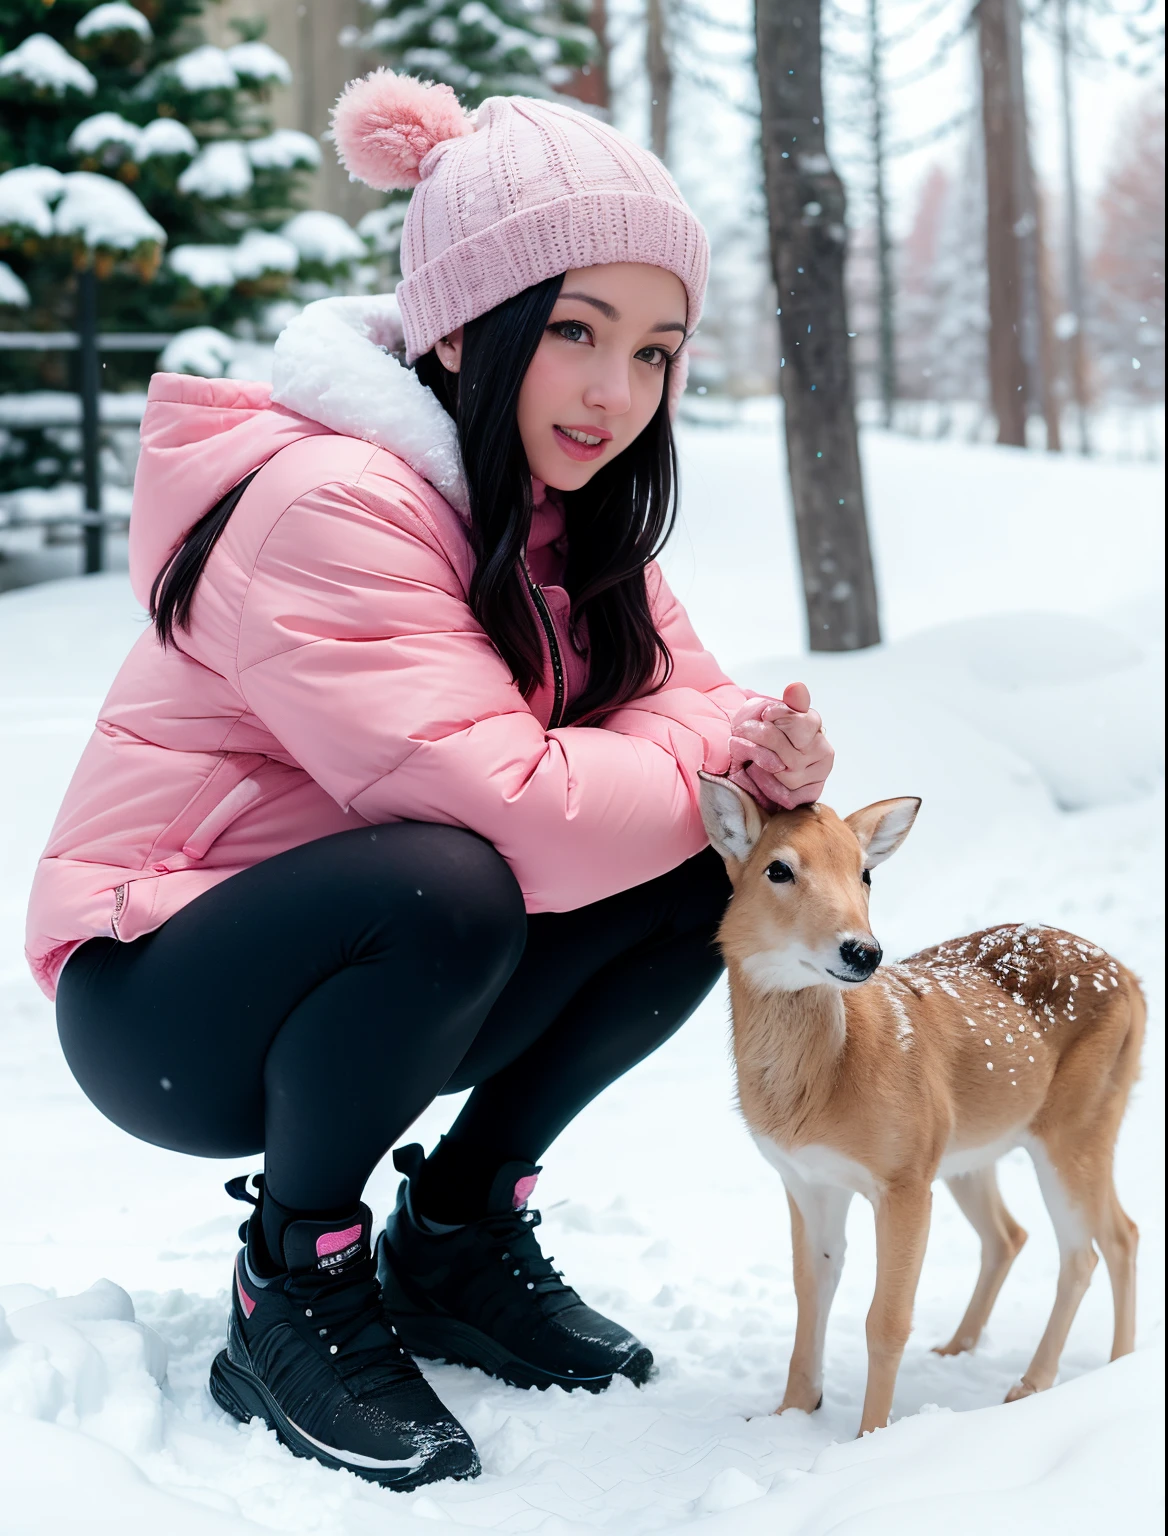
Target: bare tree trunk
(1022, 357)
(1003, 215)
(805, 206)
(1037, 321)
(1076, 357)
(1044, 321)
(883, 238)
(659, 68)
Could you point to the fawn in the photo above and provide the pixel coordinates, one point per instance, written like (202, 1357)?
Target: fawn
(859, 1080)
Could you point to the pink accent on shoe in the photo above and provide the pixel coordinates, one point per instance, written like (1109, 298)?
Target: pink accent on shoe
(247, 1302)
(524, 1189)
(333, 1242)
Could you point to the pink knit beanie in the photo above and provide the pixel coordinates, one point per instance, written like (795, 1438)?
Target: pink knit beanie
(519, 192)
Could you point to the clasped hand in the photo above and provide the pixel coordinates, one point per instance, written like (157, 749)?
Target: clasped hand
(778, 752)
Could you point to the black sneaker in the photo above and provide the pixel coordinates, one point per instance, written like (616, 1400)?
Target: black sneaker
(484, 1295)
(311, 1352)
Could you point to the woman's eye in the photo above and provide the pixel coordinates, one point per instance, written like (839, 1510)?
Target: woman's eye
(866, 877)
(571, 330)
(656, 357)
(779, 873)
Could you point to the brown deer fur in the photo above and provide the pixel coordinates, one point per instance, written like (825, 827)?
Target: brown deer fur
(878, 1082)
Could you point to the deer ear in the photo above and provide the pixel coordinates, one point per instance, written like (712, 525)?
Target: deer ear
(881, 828)
(731, 817)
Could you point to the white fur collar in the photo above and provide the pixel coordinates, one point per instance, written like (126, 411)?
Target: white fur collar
(334, 365)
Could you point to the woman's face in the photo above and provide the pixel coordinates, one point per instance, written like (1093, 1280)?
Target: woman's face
(597, 375)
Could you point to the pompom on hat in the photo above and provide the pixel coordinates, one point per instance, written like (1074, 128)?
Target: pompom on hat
(519, 192)
(385, 125)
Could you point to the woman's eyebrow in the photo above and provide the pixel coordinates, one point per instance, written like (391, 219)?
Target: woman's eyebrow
(606, 310)
(610, 313)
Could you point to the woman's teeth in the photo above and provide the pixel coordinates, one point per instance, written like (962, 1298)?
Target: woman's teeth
(580, 437)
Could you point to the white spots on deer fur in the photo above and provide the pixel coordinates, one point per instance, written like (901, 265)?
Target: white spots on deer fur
(989, 1042)
(904, 1029)
(1030, 1058)
(1074, 980)
(989, 1066)
(1113, 981)
(1010, 1041)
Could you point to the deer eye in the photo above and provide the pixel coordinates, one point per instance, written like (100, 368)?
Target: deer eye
(779, 873)
(866, 877)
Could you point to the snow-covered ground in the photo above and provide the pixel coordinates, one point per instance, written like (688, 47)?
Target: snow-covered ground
(1020, 695)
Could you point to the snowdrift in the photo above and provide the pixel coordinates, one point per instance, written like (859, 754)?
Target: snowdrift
(1030, 723)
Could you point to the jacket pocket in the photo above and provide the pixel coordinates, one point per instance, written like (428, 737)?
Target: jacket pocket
(246, 793)
(133, 908)
(239, 782)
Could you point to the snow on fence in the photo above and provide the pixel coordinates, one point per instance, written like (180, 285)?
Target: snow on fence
(77, 504)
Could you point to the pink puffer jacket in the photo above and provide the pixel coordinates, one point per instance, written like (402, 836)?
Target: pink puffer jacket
(334, 675)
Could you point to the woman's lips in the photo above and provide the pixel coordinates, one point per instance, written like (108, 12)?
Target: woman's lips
(584, 451)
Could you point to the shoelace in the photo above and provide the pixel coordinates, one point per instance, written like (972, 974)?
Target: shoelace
(514, 1237)
(345, 1310)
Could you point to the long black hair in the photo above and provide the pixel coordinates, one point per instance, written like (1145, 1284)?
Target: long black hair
(616, 523)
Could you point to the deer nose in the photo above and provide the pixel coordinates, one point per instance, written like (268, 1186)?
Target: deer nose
(860, 958)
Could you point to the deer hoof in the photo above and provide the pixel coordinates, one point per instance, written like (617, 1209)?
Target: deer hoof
(954, 1347)
(1020, 1390)
(794, 1404)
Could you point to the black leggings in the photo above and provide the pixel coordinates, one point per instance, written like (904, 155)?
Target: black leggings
(313, 1005)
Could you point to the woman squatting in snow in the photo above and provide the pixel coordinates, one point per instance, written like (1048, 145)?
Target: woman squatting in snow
(399, 794)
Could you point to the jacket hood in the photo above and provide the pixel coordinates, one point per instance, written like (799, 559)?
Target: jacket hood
(199, 437)
(333, 373)
(339, 363)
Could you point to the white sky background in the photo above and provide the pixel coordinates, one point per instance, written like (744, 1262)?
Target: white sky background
(712, 140)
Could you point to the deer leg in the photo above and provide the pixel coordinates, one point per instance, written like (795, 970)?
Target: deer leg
(902, 1230)
(1118, 1238)
(818, 1217)
(981, 1202)
(1070, 1214)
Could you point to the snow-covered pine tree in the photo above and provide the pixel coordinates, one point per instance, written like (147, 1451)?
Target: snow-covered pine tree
(156, 120)
(485, 47)
(480, 48)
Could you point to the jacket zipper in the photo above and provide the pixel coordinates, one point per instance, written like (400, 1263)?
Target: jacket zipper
(549, 629)
(119, 903)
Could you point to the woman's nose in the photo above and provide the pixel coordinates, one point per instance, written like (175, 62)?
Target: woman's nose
(609, 391)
